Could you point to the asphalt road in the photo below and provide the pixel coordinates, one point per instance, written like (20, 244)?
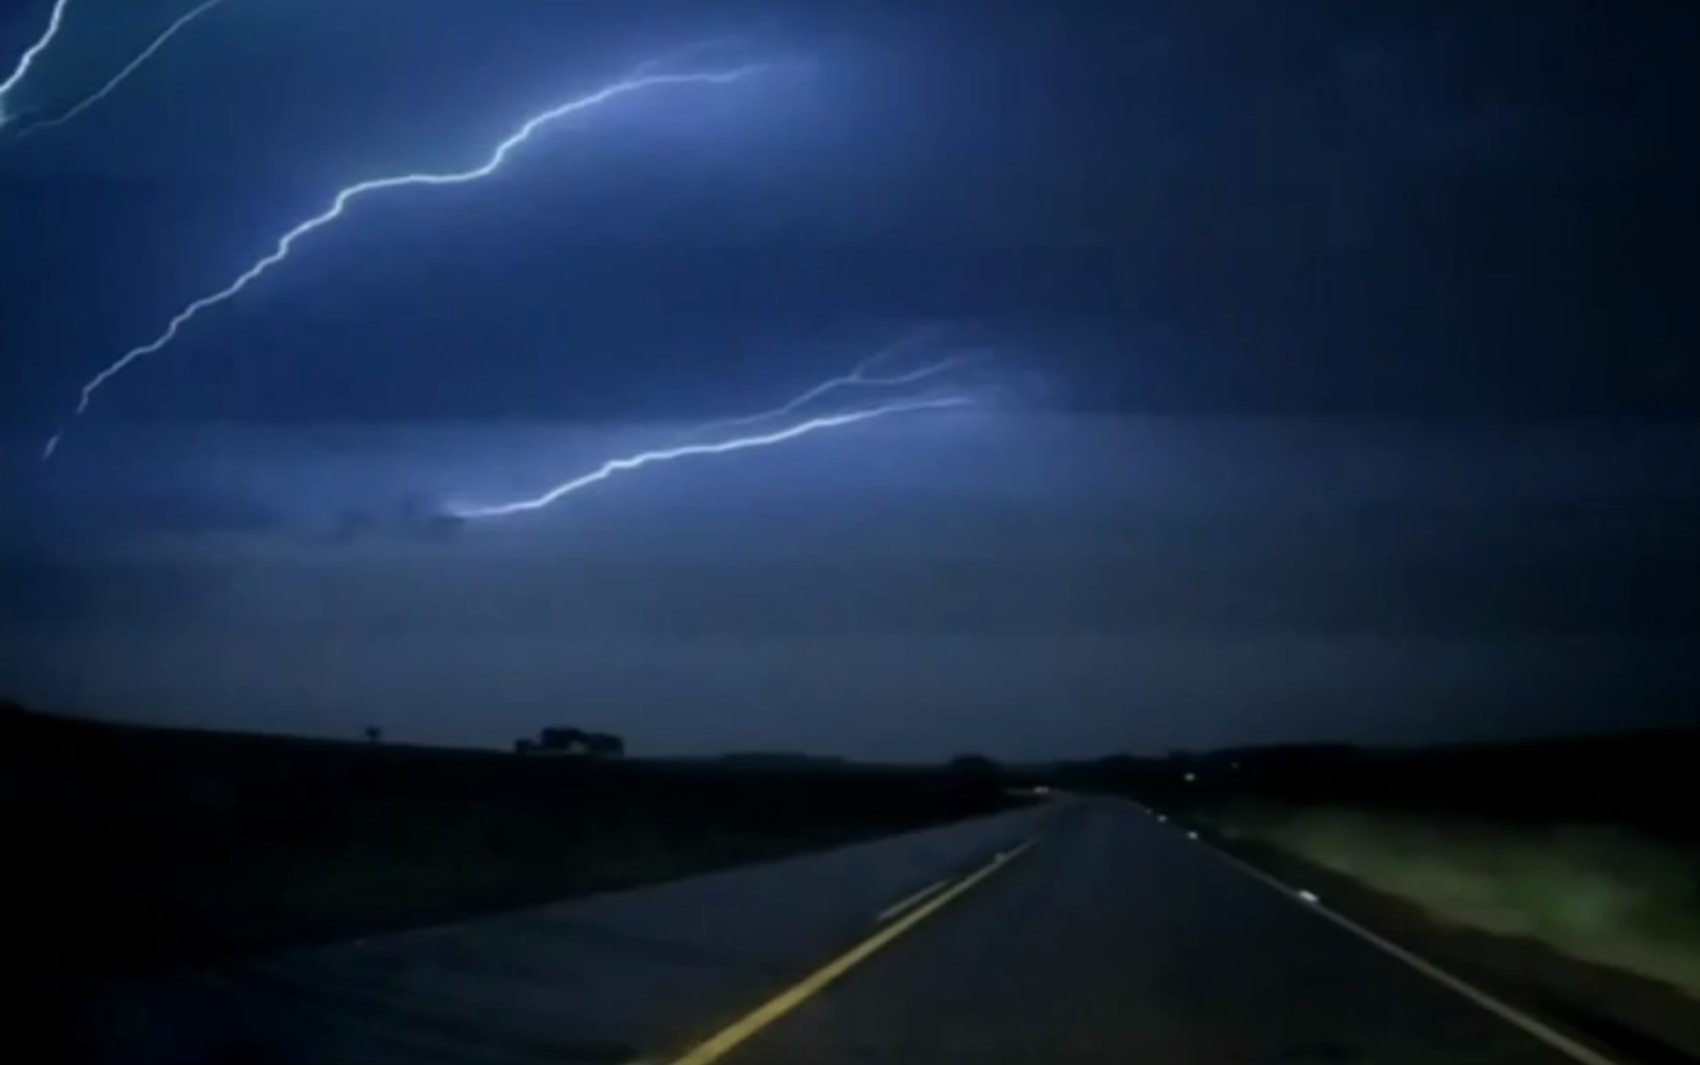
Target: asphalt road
(1076, 931)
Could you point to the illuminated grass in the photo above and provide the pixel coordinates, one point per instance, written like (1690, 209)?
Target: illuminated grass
(1598, 894)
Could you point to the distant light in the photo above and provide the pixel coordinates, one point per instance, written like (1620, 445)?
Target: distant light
(1308, 896)
(1160, 817)
(1192, 835)
(1191, 777)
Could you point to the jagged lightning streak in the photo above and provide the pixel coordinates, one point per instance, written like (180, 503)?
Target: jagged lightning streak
(54, 19)
(862, 376)
(493, 162)
(123, 75)
(614, 467)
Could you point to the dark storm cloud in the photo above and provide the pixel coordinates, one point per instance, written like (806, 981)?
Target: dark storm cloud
(1320, 211)
(1524, 571)
(1026, 584)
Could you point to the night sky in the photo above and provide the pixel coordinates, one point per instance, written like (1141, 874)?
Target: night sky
(1343, 378)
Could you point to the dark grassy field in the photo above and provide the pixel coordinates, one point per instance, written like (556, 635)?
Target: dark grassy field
(1567, 871)
(132, 847)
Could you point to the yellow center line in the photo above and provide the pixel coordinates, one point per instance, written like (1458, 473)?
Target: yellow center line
(779, 1005)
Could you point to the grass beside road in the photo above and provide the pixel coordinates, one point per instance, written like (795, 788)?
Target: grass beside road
(1560, 873)
(1605, 895)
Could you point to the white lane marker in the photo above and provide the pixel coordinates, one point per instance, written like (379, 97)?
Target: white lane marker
(730, 1038)
(1552, 1037)
(910, 901)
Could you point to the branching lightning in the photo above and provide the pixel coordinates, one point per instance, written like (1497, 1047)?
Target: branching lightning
(646, 79)
(54, 19)
(123, 75)
(860, 377)
(614, 467)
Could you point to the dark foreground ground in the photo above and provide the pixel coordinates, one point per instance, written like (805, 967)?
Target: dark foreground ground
(1563, 874)
(167, 889)
(129, 848)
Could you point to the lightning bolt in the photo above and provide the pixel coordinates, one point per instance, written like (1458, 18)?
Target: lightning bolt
(630, 84)
(123, 75)
(615, 467)
(862, 376)
(54, 19)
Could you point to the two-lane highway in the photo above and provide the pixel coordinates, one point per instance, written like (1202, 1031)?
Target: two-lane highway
(1116, 939)
(1075, 931)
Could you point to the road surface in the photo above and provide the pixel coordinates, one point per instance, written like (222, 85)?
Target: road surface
(1076, 931)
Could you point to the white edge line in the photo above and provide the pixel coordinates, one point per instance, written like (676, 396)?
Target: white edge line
(910, 901)
(1510, 1014)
